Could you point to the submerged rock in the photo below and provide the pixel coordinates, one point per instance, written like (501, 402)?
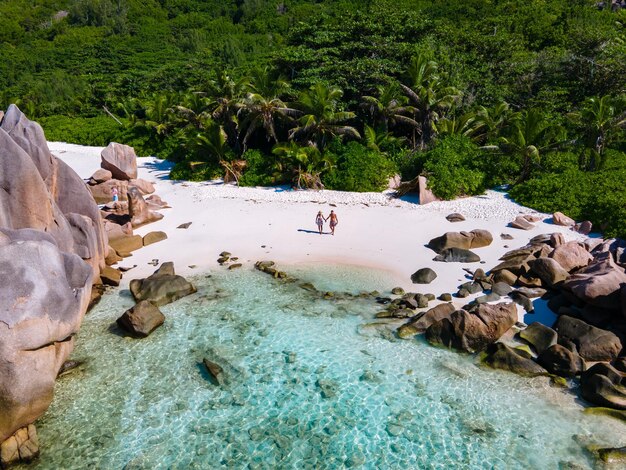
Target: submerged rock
(215, 371)
(561, 361)
(601, 385)
(162, 287)
(141, 319)
(501, 356)
(473, 332)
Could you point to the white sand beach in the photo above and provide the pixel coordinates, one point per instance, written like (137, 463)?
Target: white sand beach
(374, 231)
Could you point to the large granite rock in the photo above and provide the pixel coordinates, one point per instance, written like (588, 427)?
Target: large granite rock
(44, 294)
(426, 196)
(558, 218)
(500, 356)
(599, 283)
(465, 240)
(423, 276)
(139, 212)
(604, 385)
(561, 361)
(473, 332)
(549, 271)
(162, 287)
(539, 336)
(120, 160)
(41, 191)
(48, 222)
(421, 323)
(571, 256)
(593, 344)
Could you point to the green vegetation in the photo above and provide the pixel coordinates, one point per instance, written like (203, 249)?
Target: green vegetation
(339, 94)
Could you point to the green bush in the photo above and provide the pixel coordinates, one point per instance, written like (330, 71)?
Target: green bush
(258, 171)
(198, 172)
(358, 169)
(453, 168)
(98, 130)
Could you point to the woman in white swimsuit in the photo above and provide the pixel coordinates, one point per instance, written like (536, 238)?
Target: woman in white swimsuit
(319, 220)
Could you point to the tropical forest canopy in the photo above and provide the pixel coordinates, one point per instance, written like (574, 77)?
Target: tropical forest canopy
(340, 94)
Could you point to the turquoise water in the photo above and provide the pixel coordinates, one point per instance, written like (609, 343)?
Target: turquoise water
(307, 387)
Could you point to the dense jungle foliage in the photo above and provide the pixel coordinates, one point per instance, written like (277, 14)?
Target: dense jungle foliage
(339, 94)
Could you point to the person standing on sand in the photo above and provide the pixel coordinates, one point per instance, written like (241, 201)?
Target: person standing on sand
(333, 221)
(115, 195)
(319, 220)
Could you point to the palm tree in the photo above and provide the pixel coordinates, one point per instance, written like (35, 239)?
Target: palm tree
(461, 125)
(488, 122)
(262, 113)
(307, 164)
(227, 94)
(390, 107)
(429, 96)
(530, 136)
(379, 140)
(601, 119)
(321, 120)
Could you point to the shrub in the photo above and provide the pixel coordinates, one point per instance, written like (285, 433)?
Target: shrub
(358, 169)
(453, 168)
(258, 171)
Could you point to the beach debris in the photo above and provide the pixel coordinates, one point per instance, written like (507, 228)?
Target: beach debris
(162, 287)
(154, 262)
(141, 319)
(154, 237)
(185, 225)
(457, 255)
(216, 373)
(455, 217)
(423, 276)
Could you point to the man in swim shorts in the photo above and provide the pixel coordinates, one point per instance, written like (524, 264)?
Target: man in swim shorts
(333, 221)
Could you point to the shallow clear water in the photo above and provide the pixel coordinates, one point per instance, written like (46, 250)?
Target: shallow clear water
(307, 387)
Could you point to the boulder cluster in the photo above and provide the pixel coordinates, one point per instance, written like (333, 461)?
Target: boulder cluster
(52, 249)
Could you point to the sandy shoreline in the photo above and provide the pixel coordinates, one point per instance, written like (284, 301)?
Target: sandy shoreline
(375, 231)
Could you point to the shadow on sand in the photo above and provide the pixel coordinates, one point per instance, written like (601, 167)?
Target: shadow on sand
(312, 231)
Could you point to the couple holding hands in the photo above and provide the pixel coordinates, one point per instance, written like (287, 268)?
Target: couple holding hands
(320, 219)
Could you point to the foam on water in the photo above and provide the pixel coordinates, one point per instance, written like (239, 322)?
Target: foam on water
(307, 387)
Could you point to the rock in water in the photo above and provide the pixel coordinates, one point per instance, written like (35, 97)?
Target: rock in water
(162, 287)
(473, 332)
(422, 323)
(601, 385)
(594, 344)
(501, 356)
(216, 373)
(423, 276)
(561, 361)
(539, 336)
(142, 319)
(120, 160)
(44, 294)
